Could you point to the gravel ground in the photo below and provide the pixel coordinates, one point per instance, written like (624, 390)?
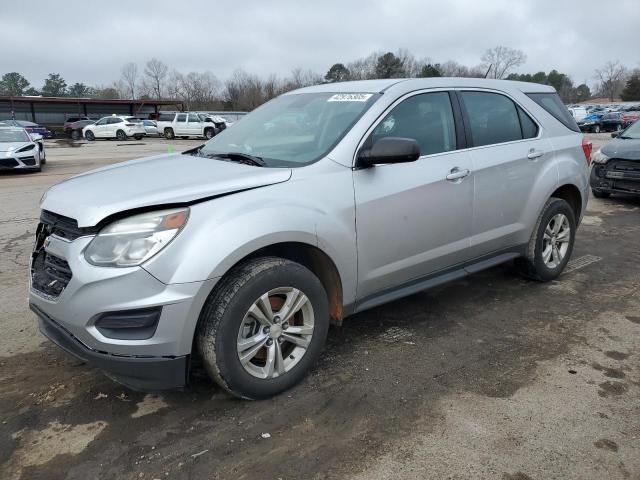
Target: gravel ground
(489, 377)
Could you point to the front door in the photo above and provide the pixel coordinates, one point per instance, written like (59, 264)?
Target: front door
(414, 219)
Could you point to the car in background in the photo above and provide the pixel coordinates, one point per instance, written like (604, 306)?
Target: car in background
(629, 117)
(591, 123)
(184, 125)
(612, 121)
(118, 127)
(74, 129)
(219, 123)
(578, 113)
(71, 120)
(150, 127)
(616, 166)
(20, 150)
(30, 127)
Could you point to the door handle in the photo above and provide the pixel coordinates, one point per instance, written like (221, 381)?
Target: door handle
(533, 154)
(457, 174)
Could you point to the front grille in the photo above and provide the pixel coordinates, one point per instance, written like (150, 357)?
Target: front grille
(49, 274)
(8, 162)
(63, 227)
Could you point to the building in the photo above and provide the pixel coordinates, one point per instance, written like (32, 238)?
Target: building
(53, 111)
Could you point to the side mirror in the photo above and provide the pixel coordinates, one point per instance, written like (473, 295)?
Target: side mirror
(614, 135)
(389, 150)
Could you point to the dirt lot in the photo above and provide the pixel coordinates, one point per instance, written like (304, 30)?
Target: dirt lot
(490, 377)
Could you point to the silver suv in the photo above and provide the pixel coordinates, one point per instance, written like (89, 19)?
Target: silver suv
(324, 202)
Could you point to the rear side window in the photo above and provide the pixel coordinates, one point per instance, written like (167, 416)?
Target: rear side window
(493, 118)
(166, 117)
(529, 127)
(194, 118)
(553, 105)
(181, 117)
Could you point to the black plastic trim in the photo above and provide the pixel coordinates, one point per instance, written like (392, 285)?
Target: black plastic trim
(139, 324)
(137, 373)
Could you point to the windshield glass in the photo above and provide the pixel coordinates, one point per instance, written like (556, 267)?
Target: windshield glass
(13, 136)
(293, 130)
(632, 132)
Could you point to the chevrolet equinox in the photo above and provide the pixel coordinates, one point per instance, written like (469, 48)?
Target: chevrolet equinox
(325, 201)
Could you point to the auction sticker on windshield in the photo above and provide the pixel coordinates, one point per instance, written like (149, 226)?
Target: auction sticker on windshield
(350, 97)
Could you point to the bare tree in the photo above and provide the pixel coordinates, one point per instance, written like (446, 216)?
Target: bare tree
(611, 79)
(501, 60)
(452, 68)
(129, 72)
(364, 68)
(200, 90)
(156, 72)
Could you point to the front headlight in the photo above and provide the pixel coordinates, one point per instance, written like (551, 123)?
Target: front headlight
(26, 148)
(599, 157)
(133, 240)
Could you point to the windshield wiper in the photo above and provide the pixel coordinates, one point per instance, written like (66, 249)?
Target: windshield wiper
(239, 157)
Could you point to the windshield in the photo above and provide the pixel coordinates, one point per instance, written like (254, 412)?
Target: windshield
(13, 136)
(293, 130)
(632, 132)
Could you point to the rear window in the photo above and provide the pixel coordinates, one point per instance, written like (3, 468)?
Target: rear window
(553, 105)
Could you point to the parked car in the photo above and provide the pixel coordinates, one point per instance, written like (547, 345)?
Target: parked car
(591, 123)
(244, 249)
(612, 121)
(74, 129)
(219, 123)
(578, 113)
(71, 120)
(616, 166)
(184, 125)
(150, 127)
(118, 127)
(30, 127)
(629, 117)
(21, 150)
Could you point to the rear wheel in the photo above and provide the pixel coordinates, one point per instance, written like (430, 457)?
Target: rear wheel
(551, 243)
(600, 193)
(263, 327)
(168, 134)
(120, 135)
(138, 137)
(596, 129)
(76, 135)
(90, 136)
(618, 127)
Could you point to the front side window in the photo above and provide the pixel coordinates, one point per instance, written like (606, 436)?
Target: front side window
(181, 117)
(194, 118)
(293, 129)
(492, 117)
(102, 121)
(427, 118)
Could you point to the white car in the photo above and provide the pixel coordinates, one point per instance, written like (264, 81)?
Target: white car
(151, 127)
(184, 125)
(119, 127)
(20, 150)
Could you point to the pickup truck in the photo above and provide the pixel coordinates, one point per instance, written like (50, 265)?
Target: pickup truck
(184, 125)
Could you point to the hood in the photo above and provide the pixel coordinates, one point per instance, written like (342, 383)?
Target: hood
(624, 149)
(161, 180)
(12, 146)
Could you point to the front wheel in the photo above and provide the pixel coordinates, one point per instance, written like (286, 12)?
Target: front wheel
(90, 136)
(209, 133)
(596, 129)
(551, 243)
(263, 327)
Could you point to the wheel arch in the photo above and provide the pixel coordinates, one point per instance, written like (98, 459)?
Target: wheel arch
(571, 194)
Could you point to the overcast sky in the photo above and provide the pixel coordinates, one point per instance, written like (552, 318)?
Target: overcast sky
(89, 41)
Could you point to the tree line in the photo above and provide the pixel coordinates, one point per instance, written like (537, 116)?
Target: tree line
(246, 91)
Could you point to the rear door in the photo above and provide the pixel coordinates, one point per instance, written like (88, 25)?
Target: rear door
(507, 153)
(193, 125)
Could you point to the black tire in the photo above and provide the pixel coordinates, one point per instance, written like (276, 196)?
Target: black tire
(43, 157)
(600, 193)
(209, 133)
(76, 134)
(121, 136)
(168, 134)
(532, 264)
(138, 137)
(596, 129)
(90, 136)
(225, 309)
(619, 127)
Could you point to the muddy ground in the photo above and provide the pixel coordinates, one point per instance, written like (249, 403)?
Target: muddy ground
(489, 377)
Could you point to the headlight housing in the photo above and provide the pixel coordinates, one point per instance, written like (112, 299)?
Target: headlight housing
(599, 157)
(26, 148)
(134, 240)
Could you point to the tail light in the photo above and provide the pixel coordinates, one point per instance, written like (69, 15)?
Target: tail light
(587, 146)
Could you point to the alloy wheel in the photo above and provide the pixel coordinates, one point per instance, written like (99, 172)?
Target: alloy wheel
(555, 241)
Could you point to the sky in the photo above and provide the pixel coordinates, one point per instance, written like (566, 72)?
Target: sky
(89, 41)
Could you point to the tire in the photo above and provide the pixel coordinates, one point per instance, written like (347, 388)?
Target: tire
(168, 134)
(76, 135)
(138, 137)
(533, 264)
(596, 129)
(619, 127)
(209, 133)
(43, 157)
(225, 316)
(90, 136)
(121, 136)
(600, 193)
